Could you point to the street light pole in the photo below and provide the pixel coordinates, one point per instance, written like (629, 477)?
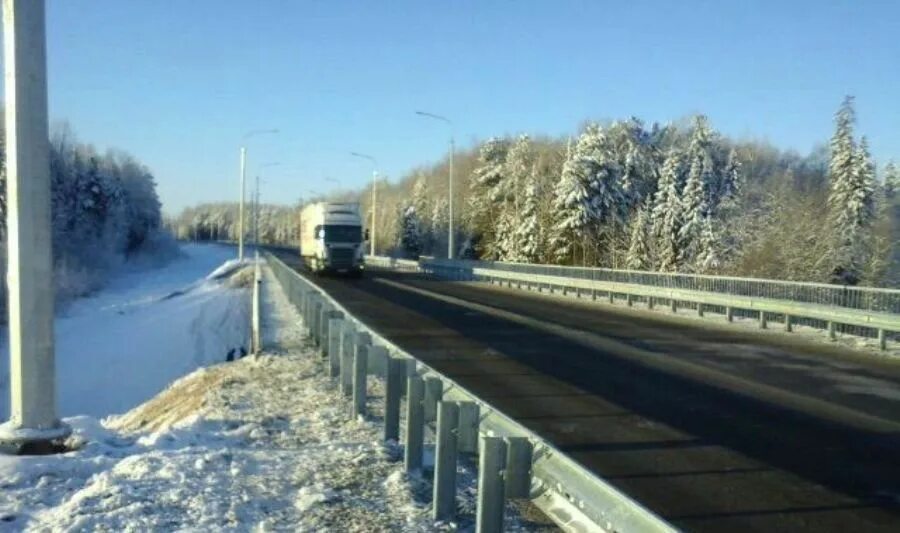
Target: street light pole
(33, 423)
(244, 188)
(450, 232)
(374, 198)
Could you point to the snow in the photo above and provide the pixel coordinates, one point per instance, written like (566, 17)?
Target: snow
(251, 445)
(126, 342)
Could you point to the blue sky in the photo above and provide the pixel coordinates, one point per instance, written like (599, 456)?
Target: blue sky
(178, 83)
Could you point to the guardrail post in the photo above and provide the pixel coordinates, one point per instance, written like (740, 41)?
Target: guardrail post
(674, 304)
(318, 303)
(519, 451)
(651, 301)
(256, 337)
(396, 375)
(763, 321)
(378, 361)
(700, 309)
(335, 327)
(491, 487)
(594, 294)
(444, 500)
(729, 314)
(629, 300)
(346, 361)
(612, 297)
(415, 423)
(325, 314)
(788, 324)
(434, 391)
(469, 420)
(882, 339)
(359, 380)
(832, 335)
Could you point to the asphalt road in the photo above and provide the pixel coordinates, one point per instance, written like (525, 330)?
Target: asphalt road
(713, 428)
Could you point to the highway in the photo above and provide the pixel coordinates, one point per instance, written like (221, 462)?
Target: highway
(713, 428)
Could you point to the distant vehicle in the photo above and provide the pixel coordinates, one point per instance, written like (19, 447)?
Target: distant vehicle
(331, 238)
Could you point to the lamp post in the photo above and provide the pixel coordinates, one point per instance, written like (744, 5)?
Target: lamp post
(33, 426)
(246, 136)
(450, 234)
(374, 197)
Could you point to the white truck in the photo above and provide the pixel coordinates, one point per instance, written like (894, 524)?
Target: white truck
(331, 238)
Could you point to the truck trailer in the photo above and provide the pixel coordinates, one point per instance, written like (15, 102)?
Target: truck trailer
(331, 238)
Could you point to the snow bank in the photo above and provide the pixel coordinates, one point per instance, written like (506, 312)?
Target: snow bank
(125, 343)
(250, 445)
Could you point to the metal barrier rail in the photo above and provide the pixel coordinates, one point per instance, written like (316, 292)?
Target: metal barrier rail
(764, 308)
(573, 497)
(865, 298)
(407, 265)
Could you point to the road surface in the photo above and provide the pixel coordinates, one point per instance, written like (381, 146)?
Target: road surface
(715, 429)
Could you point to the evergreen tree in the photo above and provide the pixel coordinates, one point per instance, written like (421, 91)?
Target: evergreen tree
(891, 181)
(410, 238)
(638, 257)
(439, 226)
(850, 200)
(730, 185)
(694, 212)
(487, 190)
(709, 258)
(420, 202)
(667, 214)
(529, 233)
(519, 165)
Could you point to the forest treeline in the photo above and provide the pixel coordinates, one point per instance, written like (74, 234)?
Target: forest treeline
(678, 197)
(105, 210)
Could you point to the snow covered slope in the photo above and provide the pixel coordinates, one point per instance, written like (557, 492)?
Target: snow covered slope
(124, 344)
(246, 446)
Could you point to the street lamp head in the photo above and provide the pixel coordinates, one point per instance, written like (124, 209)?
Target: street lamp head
(251, 133)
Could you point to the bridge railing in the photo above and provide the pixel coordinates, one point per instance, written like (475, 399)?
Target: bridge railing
(572, 496)
(860, 311)
(864, 298)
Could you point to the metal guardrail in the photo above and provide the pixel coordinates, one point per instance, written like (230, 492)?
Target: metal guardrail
(407, 265)
(864, 298)
(876, 323)
(573, 497)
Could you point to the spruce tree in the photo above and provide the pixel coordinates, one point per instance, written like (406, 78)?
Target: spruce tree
(850, 199)
(410, 241)
(516, 175)
(667, 216)
(709, 258)
(486, 195)
(891, 181)
(529, 234)
(638, 257)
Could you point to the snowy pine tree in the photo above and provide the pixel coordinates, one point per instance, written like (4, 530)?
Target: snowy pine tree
(519, 166)
(850, 200)
(666, 217)
(487, 192)
(891, 181)
(638, 257)
(709, 259)
(420, 202)
(410, 238)
(529, 233)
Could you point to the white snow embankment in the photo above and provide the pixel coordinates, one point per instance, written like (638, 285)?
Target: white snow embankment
(128, 341)
(245, 446)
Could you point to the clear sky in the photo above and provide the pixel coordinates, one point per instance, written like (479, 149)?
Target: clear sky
(178, 83)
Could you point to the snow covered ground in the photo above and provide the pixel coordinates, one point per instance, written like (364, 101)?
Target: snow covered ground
(254, 445)
(147, 327)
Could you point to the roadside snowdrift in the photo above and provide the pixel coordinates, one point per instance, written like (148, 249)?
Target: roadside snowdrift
(124, 344)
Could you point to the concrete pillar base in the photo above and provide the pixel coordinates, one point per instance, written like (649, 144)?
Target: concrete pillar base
(27, 441)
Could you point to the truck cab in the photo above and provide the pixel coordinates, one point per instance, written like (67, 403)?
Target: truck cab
(332, 238)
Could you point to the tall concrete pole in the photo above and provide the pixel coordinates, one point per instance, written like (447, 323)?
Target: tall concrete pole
(241, 208)
(450, 233)
(374, 207)
(30, 276)
(450, 238)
